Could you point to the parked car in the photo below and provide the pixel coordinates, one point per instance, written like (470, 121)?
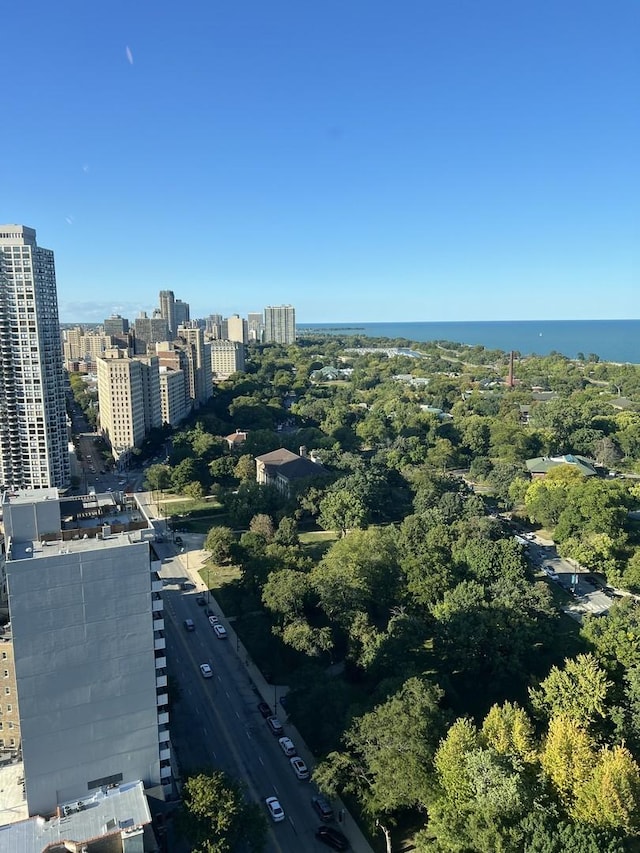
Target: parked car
(323, 808)
(208, 611)
(221, 631)
(332, 837)
(299, 767)
(206, 670)
(275, 726)
(287, 745)
(213, 621)
(178, 540)
(201, 600)
(264, 709)
(276, 812)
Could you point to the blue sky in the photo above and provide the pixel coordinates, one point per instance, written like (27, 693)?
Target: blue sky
(362, 160)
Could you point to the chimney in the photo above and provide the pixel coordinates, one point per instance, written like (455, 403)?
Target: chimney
(303, 450)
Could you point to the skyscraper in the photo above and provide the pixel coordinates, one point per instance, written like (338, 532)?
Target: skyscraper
(280, 324)
(33, 437)
(168, 311)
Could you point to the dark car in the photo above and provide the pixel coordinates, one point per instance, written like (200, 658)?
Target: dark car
(178, 540)
(264, 709)
(323, 808)
(332, 837)
(208, 611)
(201, 601)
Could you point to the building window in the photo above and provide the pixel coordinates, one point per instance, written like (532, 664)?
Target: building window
(7, 691)
(6, 673)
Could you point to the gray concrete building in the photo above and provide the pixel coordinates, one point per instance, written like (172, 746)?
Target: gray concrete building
(280, 324)
(90, 665)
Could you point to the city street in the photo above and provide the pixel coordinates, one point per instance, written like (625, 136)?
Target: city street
(216, 721)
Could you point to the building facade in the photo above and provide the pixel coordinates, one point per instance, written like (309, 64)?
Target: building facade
(33, 435)
(90, 671)
(280, 324)
(173, 402)
(168, 311)
(237, 329)
(227, 357)
(129, 399)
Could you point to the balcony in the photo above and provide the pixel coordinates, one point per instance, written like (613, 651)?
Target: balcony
(162, 699)
(161, 680)
(158, 624)
(163, 718)
(163, 734)
(156, 586)
(165, 771)
(165, 754)
(159, 643)
(161, 662)
(157, 605)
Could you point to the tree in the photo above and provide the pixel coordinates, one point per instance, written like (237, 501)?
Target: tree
(220, 542)
(611, 796)
(341, 510)
(216, 816)
(387, 762)
(157, 478)
(285, 594)
(287, 532)
(567, 757)
(508, 730)
(578, 692)
(263, 525)
(245, 468)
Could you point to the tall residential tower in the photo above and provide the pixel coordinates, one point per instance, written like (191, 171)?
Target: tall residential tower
(33, 438)
(280, 324)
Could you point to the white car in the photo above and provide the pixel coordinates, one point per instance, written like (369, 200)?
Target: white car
(206, 670)
(213, 621)
(276, 811)
(287, 746)
(221, 632)
(299, 767)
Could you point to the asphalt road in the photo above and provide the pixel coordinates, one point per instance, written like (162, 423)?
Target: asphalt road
(589, 597)
(216, 721)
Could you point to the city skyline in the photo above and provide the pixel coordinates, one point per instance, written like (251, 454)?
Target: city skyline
(433, 162)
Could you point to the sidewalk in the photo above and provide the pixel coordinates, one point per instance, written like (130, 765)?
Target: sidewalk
(194, 560)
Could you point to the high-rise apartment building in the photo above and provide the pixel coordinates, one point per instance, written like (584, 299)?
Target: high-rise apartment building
(213, 325)
(33, 435)
(173, 399)
(280, 324)
(255, 326)
(149, 331)
(227, 357)
(168, 311)
(199, 380)
(129, 400)
(86, 680)
(237, 329)
(182, 314)
(117, 328)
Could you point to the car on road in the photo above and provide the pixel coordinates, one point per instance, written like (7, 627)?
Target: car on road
(264, 709)
(206, 670)
(275, 725)
(201, 600)
(178, 540)
(299, 767)
(332, 837)
(221, 631)
(323, 808)
(189, 625)
(276, 812)
(213, 621)
(286, 744)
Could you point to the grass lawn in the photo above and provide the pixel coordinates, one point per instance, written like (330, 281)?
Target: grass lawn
(317, 542)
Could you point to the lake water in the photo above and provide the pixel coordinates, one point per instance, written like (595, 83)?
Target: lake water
(612, 340)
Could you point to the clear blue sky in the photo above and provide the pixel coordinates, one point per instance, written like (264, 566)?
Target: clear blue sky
(362, 160)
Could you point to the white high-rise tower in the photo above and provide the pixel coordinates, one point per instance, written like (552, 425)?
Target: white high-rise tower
(33, 438)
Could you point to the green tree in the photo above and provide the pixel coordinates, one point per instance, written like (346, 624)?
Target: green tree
(611, 796)
(287, 532)
(341, 510)
(245, 468)
(263, 525)
(157, 478)
(220, 542)
(578, 692)
(286, 593)
(216, 816)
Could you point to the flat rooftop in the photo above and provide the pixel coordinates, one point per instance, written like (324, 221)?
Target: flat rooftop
(109, 811)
